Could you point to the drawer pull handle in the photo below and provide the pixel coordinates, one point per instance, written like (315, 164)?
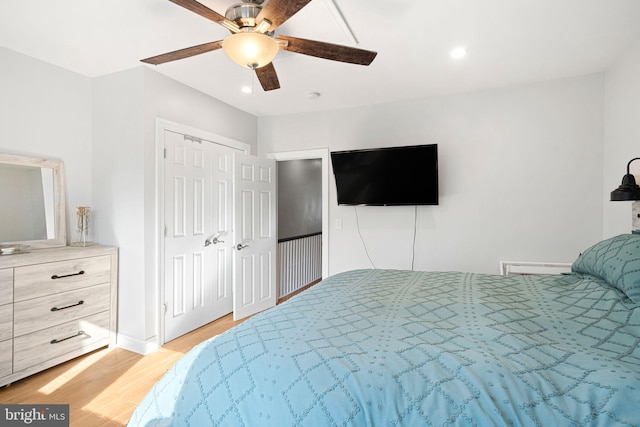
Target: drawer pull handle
(55, 276)
(68, 306)
(56, 341)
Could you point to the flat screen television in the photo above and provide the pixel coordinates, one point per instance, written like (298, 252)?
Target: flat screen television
(392, 176)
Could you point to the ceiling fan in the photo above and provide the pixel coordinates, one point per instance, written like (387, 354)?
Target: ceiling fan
(253, 43)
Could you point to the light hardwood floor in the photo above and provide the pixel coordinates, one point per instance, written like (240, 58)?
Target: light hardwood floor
(104, 387)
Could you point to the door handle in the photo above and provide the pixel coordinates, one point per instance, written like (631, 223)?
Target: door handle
(214, 241)
(241, 246)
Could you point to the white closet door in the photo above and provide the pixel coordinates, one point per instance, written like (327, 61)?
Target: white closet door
(198, 198)
(255, 243)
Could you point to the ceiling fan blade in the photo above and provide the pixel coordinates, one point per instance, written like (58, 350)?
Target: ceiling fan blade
(183, 53)
(334, 52)
(210, 14)
(268, 77)
(278, 11)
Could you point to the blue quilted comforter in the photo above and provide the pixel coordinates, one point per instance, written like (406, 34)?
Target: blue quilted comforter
(402, 348)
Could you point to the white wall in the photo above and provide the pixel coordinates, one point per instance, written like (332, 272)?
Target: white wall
(126, 106)
(520, 176)
(45, 112)
(299, 197)
(171, 100)
(119, 193)
(622, 136)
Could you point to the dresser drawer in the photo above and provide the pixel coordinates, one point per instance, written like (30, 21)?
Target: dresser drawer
(5, 358)
(6, 321)
(40, 313)
(6, 286)
(37, 347)
(35, 281)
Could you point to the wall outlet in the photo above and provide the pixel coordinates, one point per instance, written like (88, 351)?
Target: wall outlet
(339, 223)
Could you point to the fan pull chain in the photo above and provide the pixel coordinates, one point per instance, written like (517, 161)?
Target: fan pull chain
(253, 81)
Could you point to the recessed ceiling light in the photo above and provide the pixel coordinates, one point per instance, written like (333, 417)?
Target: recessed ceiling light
(246, 89)
(459, 52)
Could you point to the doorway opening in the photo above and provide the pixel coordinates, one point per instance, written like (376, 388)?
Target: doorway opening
(303, 244)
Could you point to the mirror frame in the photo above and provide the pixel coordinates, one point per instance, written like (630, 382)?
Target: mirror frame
(60, 219)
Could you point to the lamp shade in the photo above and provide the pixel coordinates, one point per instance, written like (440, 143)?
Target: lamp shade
(628, 190)
(253, 50)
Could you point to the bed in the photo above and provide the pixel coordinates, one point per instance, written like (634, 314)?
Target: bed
(411, 348)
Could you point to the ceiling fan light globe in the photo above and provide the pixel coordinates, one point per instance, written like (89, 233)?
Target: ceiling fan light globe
(249, 49)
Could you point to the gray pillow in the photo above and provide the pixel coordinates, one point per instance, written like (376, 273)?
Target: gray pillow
(617, 261)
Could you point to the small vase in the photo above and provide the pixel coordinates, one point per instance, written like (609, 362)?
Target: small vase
(83, 235)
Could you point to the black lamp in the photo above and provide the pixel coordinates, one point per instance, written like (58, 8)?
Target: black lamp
(628, 190)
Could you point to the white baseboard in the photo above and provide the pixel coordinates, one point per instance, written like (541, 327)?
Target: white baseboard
(136, 345)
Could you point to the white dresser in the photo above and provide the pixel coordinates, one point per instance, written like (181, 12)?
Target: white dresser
(55, 304)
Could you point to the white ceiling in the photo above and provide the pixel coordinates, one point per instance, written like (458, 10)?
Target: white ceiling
(509, 42)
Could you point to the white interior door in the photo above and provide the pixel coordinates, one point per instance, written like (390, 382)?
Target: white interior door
(198, 259)
(255, 231)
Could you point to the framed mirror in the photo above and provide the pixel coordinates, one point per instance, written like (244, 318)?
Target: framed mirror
(32, 203)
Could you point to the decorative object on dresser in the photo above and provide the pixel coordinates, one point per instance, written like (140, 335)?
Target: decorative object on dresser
(83, 235)
(55, 304)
